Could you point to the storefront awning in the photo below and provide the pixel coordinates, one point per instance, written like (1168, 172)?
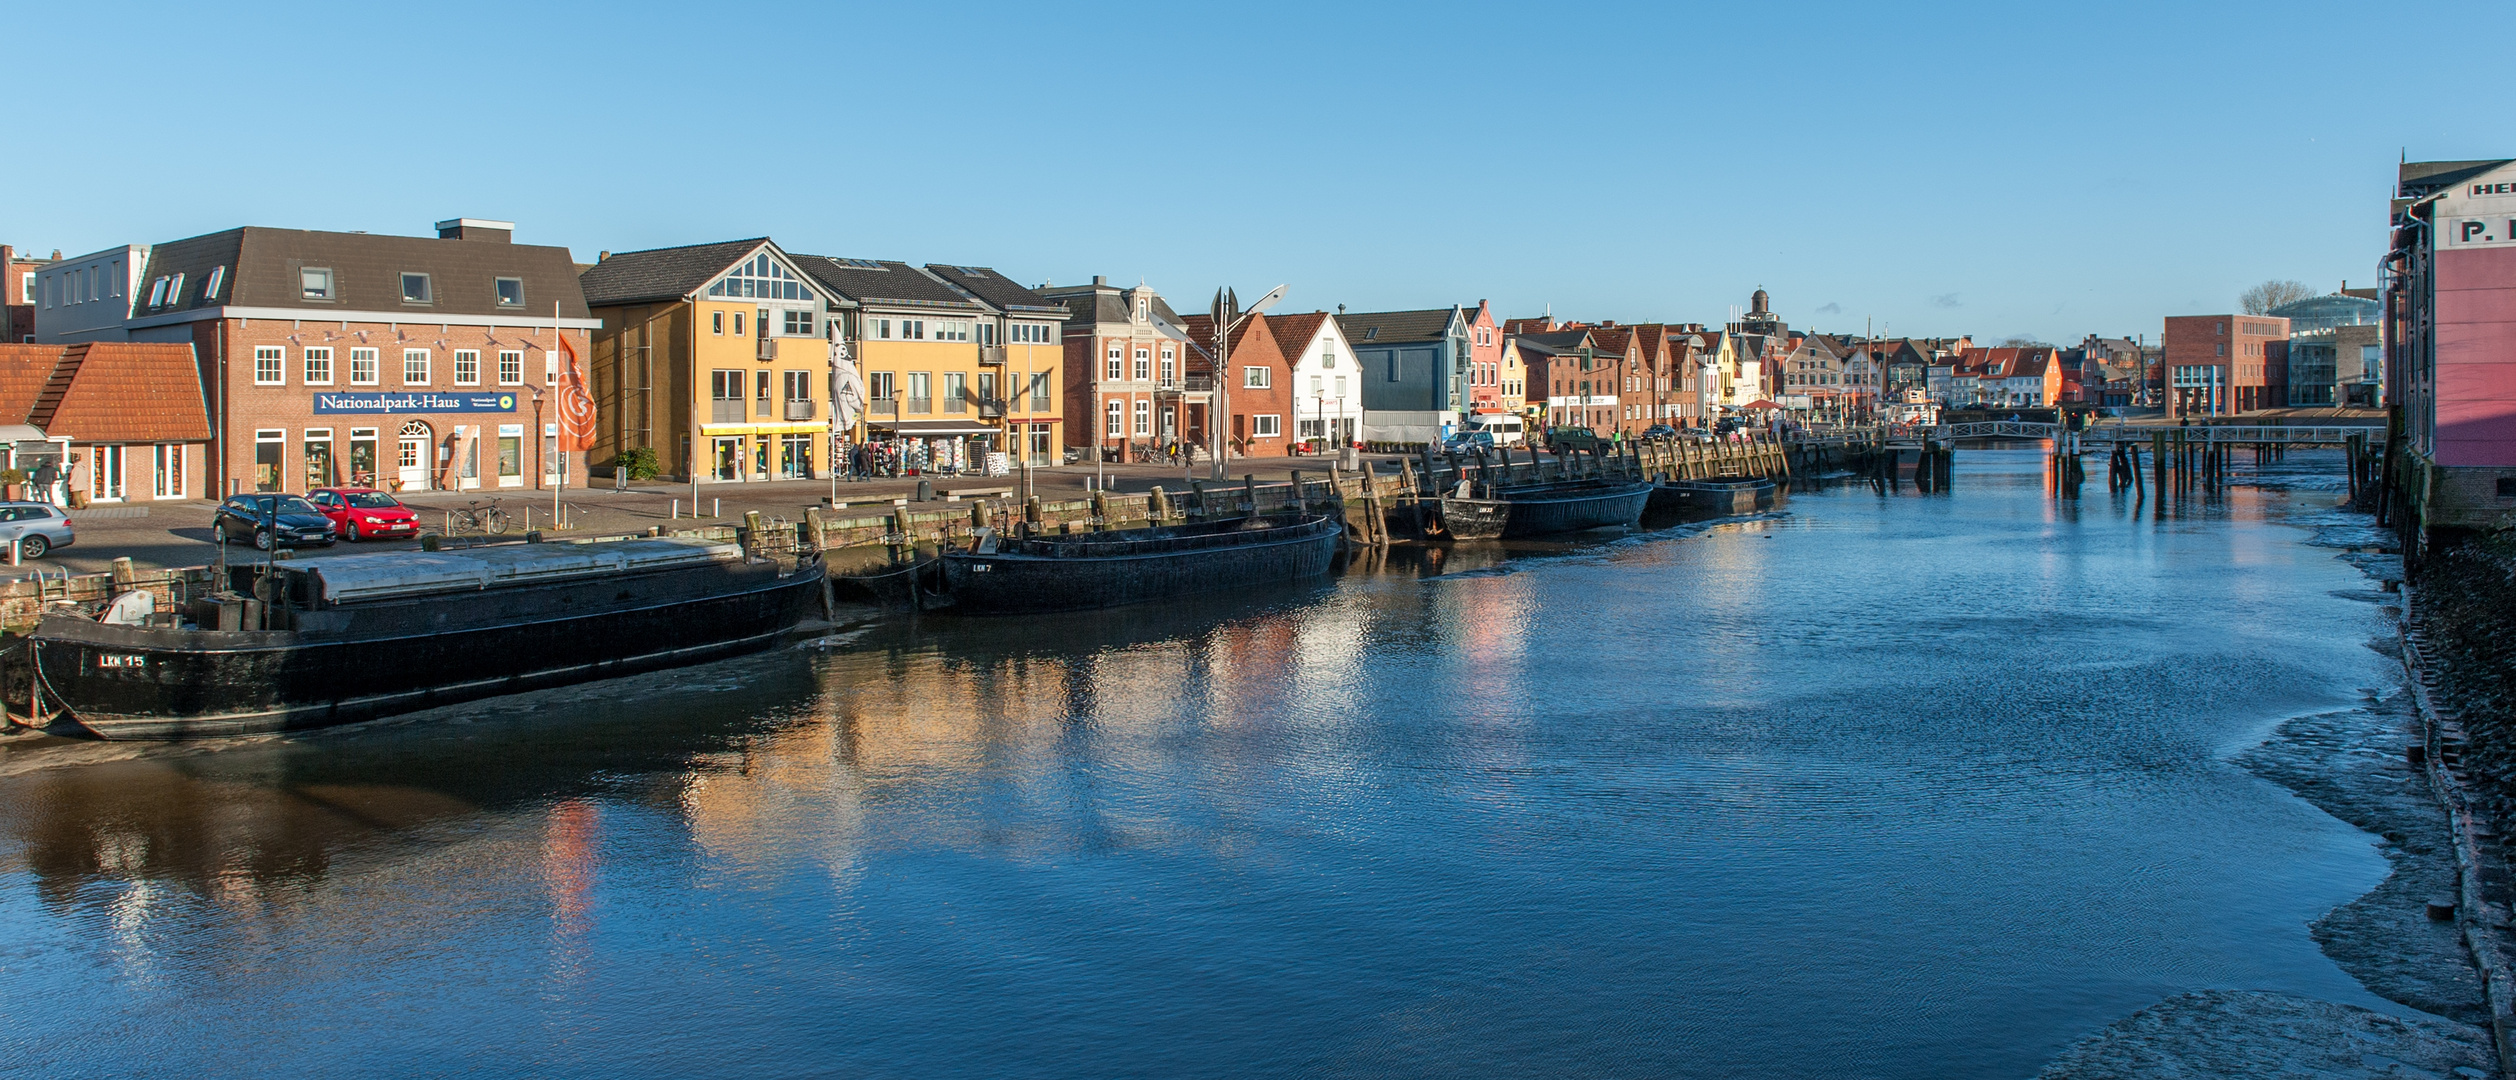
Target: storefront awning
(931, 427)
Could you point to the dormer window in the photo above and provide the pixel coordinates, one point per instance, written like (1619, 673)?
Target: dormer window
(1143, 309)
(510, 292)
(415, 289)
(218, 277)
(174, 290)
(314, 283)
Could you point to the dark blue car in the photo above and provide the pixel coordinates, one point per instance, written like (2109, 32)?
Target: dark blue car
(274, 520)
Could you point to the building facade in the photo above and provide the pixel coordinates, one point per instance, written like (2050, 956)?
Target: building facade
(1414, 370)
(2218, 365)
(1126, 364)
(122, 421)
(1326, 408)
(2450, 303)
(333, 358)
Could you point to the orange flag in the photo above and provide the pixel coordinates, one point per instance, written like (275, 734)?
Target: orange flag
(576, 407)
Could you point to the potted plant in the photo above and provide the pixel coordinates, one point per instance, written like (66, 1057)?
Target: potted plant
(13, 484)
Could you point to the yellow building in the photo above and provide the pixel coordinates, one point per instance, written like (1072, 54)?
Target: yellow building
(729, 341)
(1514, 379)
(720, 359)
(958, 358)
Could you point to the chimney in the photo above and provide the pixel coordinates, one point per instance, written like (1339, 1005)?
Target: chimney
(463, 228)
(599, 256)
(1100, 280)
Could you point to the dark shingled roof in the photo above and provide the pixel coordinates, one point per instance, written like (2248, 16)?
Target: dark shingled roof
(1368, 328)
(1104, 304)
(262, 271)
(999, 291)
(1551, 343)
(634, 277)
(881, 281)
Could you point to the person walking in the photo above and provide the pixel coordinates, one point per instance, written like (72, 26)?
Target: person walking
(46, 475)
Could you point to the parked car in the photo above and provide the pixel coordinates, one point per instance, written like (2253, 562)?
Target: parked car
(365, 513)
(37, 527)
(1469, 442)
(1571, 438)
(267, 520)
(1659, 431)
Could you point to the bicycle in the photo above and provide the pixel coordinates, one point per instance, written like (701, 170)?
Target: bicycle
(486, 520)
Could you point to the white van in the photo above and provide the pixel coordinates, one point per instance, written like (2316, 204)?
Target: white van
(1504, 427)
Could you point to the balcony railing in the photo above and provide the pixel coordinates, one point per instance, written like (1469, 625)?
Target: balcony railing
(883, 406)
(799, 410)
(991, 408)
(991, 354)
(727, 411)
(955, 403)
(768, 345)
(921, 405)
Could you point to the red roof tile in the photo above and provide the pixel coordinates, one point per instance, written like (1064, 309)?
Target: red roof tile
(24, 370)
(124, 392)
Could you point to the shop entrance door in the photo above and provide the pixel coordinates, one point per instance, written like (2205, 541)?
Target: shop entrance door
(729, 459)
(410, 460)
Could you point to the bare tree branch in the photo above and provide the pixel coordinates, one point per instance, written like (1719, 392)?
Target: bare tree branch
(2260, 299)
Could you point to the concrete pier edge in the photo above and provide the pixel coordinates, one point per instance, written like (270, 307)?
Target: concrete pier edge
(2482, 926)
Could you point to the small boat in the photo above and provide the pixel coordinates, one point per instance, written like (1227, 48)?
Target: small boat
(1541, 509)
(342, 638)
(1108, 569)
(1714, 497)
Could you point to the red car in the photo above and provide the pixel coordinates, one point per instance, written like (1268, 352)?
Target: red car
(365, 513)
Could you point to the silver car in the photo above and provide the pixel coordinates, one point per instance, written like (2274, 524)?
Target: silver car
(37, 528)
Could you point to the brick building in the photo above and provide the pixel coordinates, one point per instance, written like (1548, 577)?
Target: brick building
(2217, 365)
(1261, 390)
(17, 292)
(412, 363)
(126, 421)
(1126, 376)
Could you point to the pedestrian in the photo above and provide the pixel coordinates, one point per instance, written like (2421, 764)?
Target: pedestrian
(46, 475)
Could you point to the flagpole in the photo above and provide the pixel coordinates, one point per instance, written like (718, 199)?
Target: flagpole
(557, 351)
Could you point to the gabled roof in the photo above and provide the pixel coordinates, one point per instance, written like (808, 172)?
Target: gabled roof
(656, 274)
(1367, 328)
(1612, 340)
(998, 291)
(1200, 330)
(105, 391)
(1553, 343)
(257, 267)
(882, 281)
(1294, 333)
(1105, 304)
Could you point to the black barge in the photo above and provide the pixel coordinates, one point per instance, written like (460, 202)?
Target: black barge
(344, 638)
(1714, 497)
(1108, 569)
(1541, 509)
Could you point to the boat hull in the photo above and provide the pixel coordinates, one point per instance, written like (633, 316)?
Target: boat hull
(122, 682)
(1714, 498)
(1016, 583)
(1544, 513)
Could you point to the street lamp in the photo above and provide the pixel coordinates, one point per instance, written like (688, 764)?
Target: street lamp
(1228, 316)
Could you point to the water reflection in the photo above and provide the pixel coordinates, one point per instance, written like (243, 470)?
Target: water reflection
(1881, 783)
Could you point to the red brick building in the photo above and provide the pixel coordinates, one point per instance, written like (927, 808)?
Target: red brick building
(17, 293)
(2217, 365)
(350, 358)
(1126, 370)
(1261, 397)
(126, 421)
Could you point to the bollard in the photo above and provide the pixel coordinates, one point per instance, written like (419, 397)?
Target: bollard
(925, 491)
(716, 508)
(677, 509)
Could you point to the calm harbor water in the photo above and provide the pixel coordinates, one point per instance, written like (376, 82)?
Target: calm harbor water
(1875, 785)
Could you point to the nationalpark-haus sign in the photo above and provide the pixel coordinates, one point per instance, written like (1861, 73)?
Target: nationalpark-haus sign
(421, 402)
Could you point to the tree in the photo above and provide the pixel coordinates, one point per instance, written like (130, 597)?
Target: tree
(2021, 341)
(2260, 299)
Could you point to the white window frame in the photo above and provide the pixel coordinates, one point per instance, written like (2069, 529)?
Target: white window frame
(460, 357)
(375, 366)
(510, 367)
(318, 364)
(1144, 417)
(420, 355)
(1257, 377)
(1266, 426)
(1117, 365)
(270, 365)
(1143, 370)
(1118, 419)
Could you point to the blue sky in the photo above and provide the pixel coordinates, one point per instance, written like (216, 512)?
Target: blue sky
(1994, 169)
